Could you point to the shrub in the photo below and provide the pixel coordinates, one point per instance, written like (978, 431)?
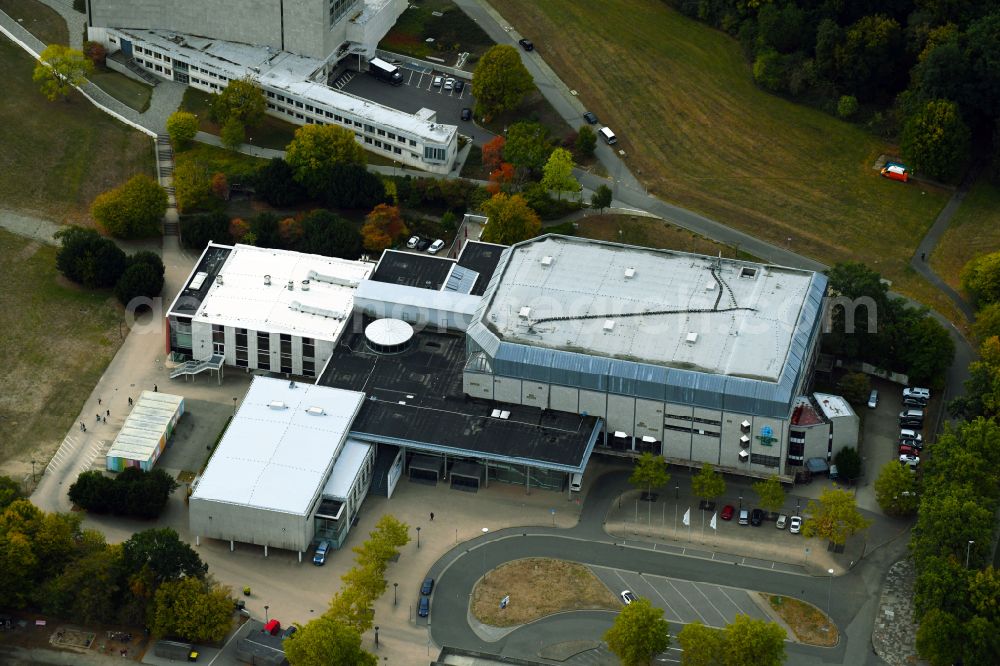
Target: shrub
(586, 141)
(198, 230)
(95, 53)
(133, 492)
(847, 106)
(182, 128)
(87, 258)
(133, 210)
(140, 280)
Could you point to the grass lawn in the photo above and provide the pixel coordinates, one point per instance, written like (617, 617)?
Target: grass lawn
(127, 91)
(699, 133)
(473, 167)
(39, 19)
(538, 587)
(810, 625)
(453, 32)
(235, 165)
(55, 341)
(273, 133)
(652, 232)
(58, 156)
(536, 109)
(974, 230)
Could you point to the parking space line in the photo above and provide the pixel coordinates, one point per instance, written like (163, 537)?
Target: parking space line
(671, 584)
(702, 593)
(739, 609)
(667, 603)
(742, 610)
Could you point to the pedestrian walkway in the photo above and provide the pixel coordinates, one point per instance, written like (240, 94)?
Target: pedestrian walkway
(76, 22)
(895, 635)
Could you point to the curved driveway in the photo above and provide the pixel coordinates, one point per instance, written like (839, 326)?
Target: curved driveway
(852, 606)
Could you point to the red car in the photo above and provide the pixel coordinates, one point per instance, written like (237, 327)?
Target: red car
(907, 450)
(728, 511)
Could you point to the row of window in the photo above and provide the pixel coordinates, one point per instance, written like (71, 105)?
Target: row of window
(766, 461)
(264, 351)
(684, 417)
(290, 102)
(153, 66)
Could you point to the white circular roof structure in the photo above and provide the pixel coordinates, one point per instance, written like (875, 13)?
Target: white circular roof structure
(388, 332)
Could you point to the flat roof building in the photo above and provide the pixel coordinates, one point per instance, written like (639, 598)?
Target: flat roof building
(147, 429)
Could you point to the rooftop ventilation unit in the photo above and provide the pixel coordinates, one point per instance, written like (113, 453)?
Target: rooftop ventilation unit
(277, 404)
(648, 440)
(609, 325)
(629, 273)
(504, 414)
(199, 279)
(291, 384)
(691, 338)
(744, 456)
(745, 440)
(305, 285)
(547, 260)
(524, 312)
(291, 285)
(218, 280)
(710, 286)
(620, 434)
(319, 312)
(333, 279)
(749, 273)
(315, 411)
(267, 280)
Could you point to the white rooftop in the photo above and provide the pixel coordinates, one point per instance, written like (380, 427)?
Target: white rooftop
(145, 427)
(833, 406)
(281, 70)
(243, 300)
(280, 447)
(346, 469)
(660, 307)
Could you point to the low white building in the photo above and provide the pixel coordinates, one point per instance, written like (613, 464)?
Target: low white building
(263, 309)
(296, 91)
(821, 425)
(265, 483)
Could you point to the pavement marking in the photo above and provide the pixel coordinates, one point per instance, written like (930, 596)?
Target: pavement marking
(739, 609)
(667, 603)
(671, 584)
(702, 593)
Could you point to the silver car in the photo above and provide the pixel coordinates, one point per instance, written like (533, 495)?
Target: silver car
(795, 524)
(873, 399)
(782, 520)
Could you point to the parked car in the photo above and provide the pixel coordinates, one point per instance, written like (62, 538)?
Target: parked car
(436, 246)
(459, 85)
(795, 524)
(289, 630)
(424, 607)
(628, 597)
(272, 627)
(911, 417)
(744, 517)
(728, 511)
(423, 244)
(590, 117)
(427, 587)
(873, 399)
(449, 84)
(412, 243)
(907, 450)
(526, 44)
(466, 114)
(781, 521)
(319, 559)
(438, 80)
(910, 460)
(917, 393)
(756, 517)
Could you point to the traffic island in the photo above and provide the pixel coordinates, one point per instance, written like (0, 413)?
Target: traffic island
(809, 624)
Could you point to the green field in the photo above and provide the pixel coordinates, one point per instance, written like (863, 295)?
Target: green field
(273, 133)
(699, 133)
(39, 19)
(235, 165)
(58, 156)
(453, 32)
(974, 230)
(127, 91)
(56, 339)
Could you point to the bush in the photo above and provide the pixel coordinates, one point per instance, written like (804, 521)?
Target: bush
(87, 258)
(586, 141)
(182, 128)
(133, 210)
(95, 53)
(140, 280)
(193, 188)
(132, 493)
(198, 230)
(847, 106)
(277, 186)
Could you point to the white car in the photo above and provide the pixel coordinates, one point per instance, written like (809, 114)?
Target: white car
(412, 243)
(437, 81)
(628, 597)
(782, 520)
(449, 84)
(436, 246)
(795, 524)
(873, 399)
(910, 460)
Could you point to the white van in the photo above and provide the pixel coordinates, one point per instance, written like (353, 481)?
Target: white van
(608, 136)
(576, 482)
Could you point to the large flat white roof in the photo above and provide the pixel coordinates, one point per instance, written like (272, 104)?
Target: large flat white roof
(280, 447)
(239, 296)
(667, 308)
(346, 469)
(286, 71)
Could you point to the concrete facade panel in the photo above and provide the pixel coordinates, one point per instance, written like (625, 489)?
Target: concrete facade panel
(507, 390)
(676, 444)
(221, 520)
(564, 399)
(535, 394)
(621, 413)
(594, 403)
(648, 418)
(706, 449)
(478, 385)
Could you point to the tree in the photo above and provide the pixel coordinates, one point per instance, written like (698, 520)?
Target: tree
(353, 186)
(10, 490)
(896, 490)
(770, 492)
(847, 106)
(586, 141)
(942, 583)
(601, 198)
(59, 70)
(89, 259)
(708, 484)
(650, 472)
(936, 140)
(750, 642)
(987, 324)
(939, 638)
(316, 149)
(18, 570)
(510, 220)
(500, 179)
(220, 186)
(233, 134)
(854, 330)
(982, 644)
(242, 101)
(981, 278)
(835, 517)
(500, 81)
(197, 230)
(493, 153)
(95, 53)
(869, 59)
(138, 281)
(848, 463)
(193, 609)
(182, 128)
(855, 387)
(193, 187)
(769, 71)
(163, 553)
(639, 633)
(323, 642)
(700, 645)
(88, 589)
(133, 210)
(325, 233)
(391, 531)
(276, 184)
(528, 146)
(382, 227)
(558, 172)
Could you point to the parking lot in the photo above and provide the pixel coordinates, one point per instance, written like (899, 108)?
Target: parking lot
(684, 601)
(417, 92)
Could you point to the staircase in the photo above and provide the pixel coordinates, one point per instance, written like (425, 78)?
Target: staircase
(195, 367)
(165, 172)
(141, 72)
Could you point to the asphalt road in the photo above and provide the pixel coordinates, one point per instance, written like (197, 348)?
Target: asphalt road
(852, 607)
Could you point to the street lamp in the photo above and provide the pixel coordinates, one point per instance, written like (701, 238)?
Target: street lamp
(418, 537)
(376, 636)
(829, 596)
(968, 548)
(265, 613)
(741, 502)
(32, 470)
(485, 532)
(394, 586)
(234, 405)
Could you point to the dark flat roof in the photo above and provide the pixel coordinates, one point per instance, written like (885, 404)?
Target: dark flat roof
(482, 258)
(190, 298)
(412, 269)
(416, 399)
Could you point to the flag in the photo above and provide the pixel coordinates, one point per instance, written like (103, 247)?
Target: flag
(713, 523)
(687, 517)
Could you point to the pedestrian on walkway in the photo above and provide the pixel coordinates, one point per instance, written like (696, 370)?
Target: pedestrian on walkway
(109, 412)
(82, 425)
(104, 419)
(154, 388)
(432, 516)
(923, 256)
(98, 401)
(98, 418)
(130, 401)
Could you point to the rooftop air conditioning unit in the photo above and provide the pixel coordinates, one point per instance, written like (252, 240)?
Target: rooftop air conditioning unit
(315, 411)
(691, 338)
(547, 260)
(267, 280)
(291, 285)
(277, 404)
(609, 325)
(218, 280)
(305, 285)
(524, 312)
(629, 273)
(710, 286)
(744, 456)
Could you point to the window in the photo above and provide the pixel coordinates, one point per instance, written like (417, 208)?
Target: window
(401, 139)
(270, 95)
(286, 352)
(378, 144)
(241, 348)
(397, 151)
(299, 116)
(369, 128)
(308, 357)
(328, 114)
(766, 461)
(391, 135)
(298, 105)
(368, 139)
(218, 339)
(435, 154)
(263, 350)
(281, 98)
(356, 123)
(338, 118)
(381, 132)
(309, 108)
(271, 106)
(338, 8)
(412, 142)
